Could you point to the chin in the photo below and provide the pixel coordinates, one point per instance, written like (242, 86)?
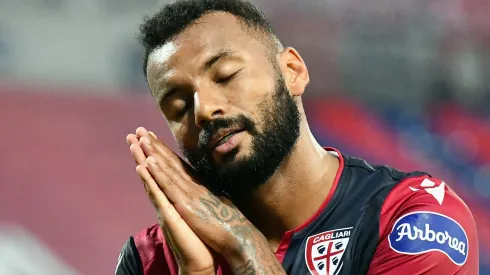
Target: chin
(234, 156)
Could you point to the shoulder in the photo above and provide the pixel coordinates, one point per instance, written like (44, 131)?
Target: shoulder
(149, 239)
(425, 194)
(382, 174)
(373, 183)
(423, 221)
(149, 250)
(398, 191)
(129, 262)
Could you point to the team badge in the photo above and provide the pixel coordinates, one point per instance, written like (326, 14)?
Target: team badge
(422, 232)
(324, 251)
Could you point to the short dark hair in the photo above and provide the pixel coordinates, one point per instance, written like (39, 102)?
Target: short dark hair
(173, 18)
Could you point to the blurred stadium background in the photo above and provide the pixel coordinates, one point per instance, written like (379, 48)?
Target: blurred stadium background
(402, 82)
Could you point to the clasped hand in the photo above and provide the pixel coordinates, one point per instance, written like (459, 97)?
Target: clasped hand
(197, 224)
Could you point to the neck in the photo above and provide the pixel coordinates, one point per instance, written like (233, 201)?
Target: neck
(295, 191)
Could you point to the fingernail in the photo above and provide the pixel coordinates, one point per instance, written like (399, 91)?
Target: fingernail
(152, 134)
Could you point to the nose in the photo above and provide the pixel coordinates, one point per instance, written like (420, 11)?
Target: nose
(207, 106)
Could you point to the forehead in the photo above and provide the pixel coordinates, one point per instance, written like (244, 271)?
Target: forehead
(212, 32)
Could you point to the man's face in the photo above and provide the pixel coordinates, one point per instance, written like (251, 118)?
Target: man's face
(226, 103)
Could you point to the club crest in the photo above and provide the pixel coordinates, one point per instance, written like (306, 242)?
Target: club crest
(324, 251)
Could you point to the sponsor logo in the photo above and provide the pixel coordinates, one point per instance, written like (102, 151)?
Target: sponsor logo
(422, 232)
(324, 251)
(436, 190)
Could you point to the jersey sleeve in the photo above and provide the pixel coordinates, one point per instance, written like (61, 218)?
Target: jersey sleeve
(156, 256)
(129, 261)
(425, 228)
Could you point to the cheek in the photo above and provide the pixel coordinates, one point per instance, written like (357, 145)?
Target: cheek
(186, 135)
(253, 90)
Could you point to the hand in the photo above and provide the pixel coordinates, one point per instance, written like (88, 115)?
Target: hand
(192, 255)
(215, 220)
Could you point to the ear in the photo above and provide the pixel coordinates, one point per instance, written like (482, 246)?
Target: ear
(294, 71)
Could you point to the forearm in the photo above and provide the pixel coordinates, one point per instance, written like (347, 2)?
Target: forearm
(254, 257)
(256, 265)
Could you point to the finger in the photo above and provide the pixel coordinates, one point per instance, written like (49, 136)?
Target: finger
(131, 139)
(168, 160)
(148, 145)
(166, 210)
(153, 135)
(140, 132)
(178, 231)
(138, 154)
(154, 147)
(167, 180)
(164, 149)
(155, 194)
(165, 161)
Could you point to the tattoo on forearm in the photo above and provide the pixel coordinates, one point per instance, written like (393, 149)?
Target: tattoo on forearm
(247, 269)
(260, 259)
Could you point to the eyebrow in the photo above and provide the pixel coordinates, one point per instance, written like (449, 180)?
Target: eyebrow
(215, 58)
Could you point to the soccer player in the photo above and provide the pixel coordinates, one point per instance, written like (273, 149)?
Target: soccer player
(257, 194)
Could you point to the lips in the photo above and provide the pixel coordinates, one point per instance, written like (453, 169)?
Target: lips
(222, 136)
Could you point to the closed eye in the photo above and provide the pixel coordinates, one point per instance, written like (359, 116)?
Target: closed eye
(182, 112)
(177, 104)
(224, 80)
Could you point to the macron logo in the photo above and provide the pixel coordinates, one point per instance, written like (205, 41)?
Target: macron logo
(436, 191)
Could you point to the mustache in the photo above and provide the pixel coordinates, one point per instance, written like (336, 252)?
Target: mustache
(211, 127)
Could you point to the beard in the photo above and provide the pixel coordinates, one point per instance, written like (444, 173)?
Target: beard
(236, 177)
